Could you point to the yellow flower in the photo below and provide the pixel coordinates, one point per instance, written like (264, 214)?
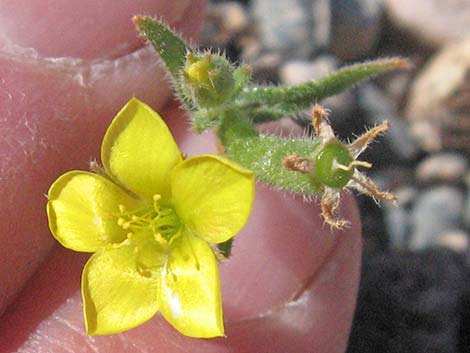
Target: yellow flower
(149, 219)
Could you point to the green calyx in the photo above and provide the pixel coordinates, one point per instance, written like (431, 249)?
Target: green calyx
(333, 165)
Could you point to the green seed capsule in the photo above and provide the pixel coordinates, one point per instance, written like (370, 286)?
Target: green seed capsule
(327, 162)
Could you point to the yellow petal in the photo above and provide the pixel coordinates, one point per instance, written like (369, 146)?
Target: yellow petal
(212, 196)
(82, 211)
(138, 150)
(117, 295)
(190, 291)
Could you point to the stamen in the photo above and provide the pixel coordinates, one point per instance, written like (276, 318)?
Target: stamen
(159, 219)
(159, 238)
(156, 198)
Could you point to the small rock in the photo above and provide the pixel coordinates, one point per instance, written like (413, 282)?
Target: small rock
(388, 177)
(251, 48)
(355, 27)
(321, 23)
(466, 216)
(439, 100)
(446, 167)
(435, 22)
(436, 212)
(395, 85)
(406, 195)
(223, 22)
(266, 67)
(457, 241)
(397, 218)
(235, 17)
(295, 72)
(377, 108)
(284, 26)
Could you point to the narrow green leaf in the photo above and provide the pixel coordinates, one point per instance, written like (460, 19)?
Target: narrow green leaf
(282, 101)
(171, 48)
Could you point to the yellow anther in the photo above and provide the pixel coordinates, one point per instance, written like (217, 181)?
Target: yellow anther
(120, 221)
(135, 218)
(156, 197)
(159, 238)
(126, 225)
(122, 209)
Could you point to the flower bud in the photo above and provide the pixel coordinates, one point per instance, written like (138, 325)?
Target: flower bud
(208, 79)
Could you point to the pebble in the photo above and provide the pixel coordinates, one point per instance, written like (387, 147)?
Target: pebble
(283, 26)
(266, 67)
(224, 21)
(466, 216)
(434, 22)
(457, 240)
(444, 167)
(321, 22)
(436, 212)
(397, 218)
(295, 72)
(438, 104)
(378, 108)
(395, 85)
(356, 25)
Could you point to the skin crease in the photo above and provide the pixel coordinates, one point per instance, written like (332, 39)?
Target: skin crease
(290, 285)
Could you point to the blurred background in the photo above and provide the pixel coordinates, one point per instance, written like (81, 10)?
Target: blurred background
(415, 289)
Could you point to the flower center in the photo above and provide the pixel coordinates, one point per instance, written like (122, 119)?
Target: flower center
(160, 219)
(150, 229)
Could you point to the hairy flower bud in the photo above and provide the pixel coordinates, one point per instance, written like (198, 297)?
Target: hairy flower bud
(208, 79)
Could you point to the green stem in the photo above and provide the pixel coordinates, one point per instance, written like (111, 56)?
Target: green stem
(263, 154)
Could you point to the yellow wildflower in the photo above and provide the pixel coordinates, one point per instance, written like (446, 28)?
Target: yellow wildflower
(149, 219)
